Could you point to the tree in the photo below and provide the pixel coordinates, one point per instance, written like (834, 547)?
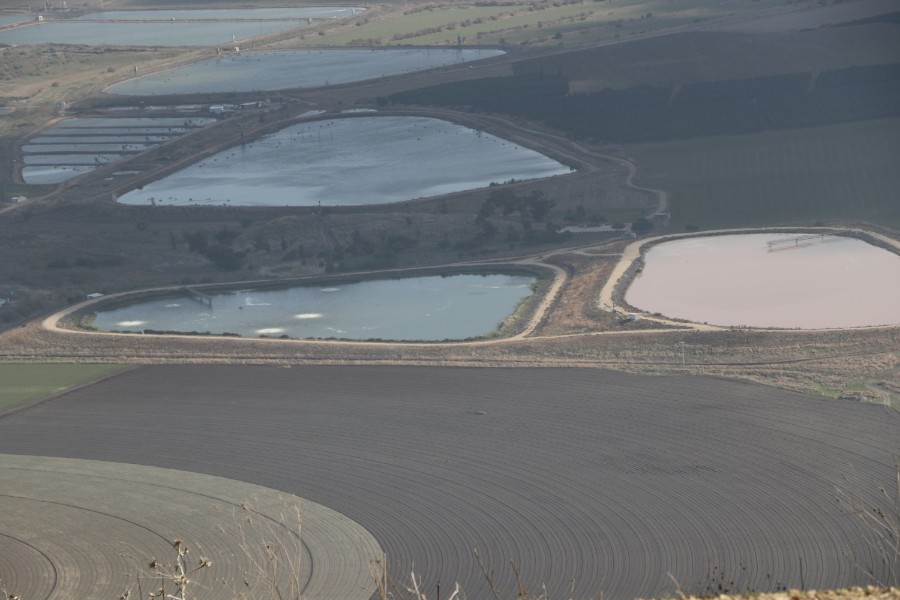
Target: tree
(224, 257)
(642, 225)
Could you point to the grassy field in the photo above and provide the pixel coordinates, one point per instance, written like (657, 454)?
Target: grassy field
(23, 383)
(536, 23)
(799, 176)
(35, 79)
(708, 56)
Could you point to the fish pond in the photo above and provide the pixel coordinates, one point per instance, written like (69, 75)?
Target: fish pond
(771, 280)
(349, 161)
(166, 27)
(266, 71)
(77, 146)
(431, 308)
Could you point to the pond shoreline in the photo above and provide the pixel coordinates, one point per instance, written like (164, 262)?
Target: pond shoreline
(612, 296)
(80, 317)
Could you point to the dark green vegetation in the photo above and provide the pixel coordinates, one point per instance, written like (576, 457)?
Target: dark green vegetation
(706, 108)
(605, 479)
(838, 172)
(756, 116)
(686, 58)
(21, 383)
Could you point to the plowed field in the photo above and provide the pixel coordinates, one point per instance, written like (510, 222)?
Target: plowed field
(605, 479)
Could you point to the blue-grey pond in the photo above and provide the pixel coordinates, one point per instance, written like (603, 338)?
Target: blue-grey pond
(350, 161)
(263, 71)
(429, 308)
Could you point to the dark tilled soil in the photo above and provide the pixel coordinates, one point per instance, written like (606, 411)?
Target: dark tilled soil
(607, 479)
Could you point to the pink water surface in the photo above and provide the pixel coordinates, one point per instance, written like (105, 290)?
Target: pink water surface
(738, 280)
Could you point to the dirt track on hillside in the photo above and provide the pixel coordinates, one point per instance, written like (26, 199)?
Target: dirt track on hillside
(606, 479)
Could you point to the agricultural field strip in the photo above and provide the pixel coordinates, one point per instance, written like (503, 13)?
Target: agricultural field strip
(81, 517)
(23, 383)
(831, 172)
(617, 481)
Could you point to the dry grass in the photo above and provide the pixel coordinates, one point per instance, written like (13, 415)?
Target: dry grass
(881, 524)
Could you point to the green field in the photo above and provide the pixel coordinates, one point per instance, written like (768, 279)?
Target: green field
(800, 176)
(21, 383)
(533, 23)
(690, 57)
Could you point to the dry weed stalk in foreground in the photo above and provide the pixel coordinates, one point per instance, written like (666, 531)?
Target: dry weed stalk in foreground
(389, 589)
(7, 595)
(881, 528)
(274, 550)
(173, 578)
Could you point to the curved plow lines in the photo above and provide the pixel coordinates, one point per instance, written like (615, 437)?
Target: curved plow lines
(607, 479)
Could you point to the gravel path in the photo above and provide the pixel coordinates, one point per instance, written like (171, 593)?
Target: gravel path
(607, 479)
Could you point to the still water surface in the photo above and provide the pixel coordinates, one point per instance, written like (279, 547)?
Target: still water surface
(77, 146)
(735, 280)
(13, 19)
(255, 71)
(44, 174)
(419, 308)
(353, 161)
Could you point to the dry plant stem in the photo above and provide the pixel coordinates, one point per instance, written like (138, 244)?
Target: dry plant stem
(488, 574)
(388, 589)
(277, 547)
(6, 594)
(177, 574)
(881, 527)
